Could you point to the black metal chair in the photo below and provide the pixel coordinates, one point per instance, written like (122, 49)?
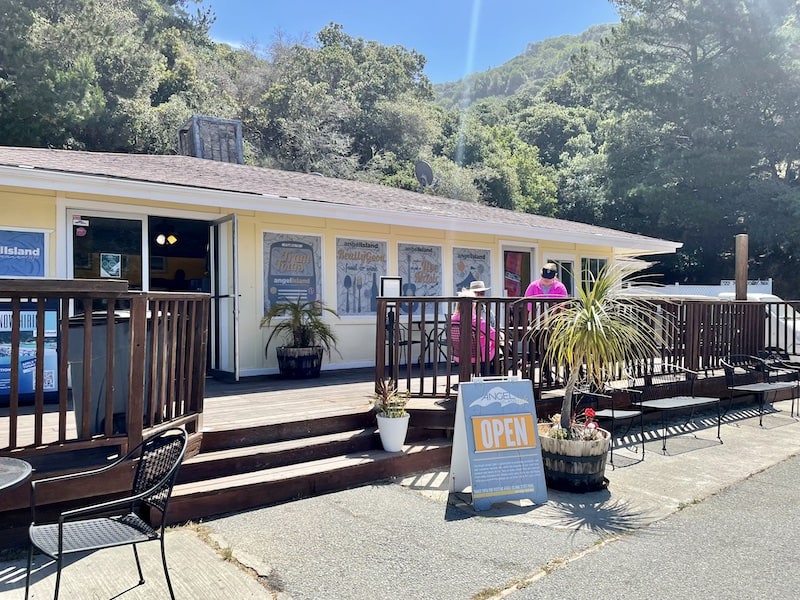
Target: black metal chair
(751, 375)
(671, 389)
(614, 414)
(778, 360)
(742, 369)
(118, 522)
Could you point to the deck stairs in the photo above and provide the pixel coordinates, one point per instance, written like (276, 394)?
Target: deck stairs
(244, 468)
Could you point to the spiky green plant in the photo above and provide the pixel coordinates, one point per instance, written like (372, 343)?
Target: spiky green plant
(595, 332)
(389, 401)
(301, 324)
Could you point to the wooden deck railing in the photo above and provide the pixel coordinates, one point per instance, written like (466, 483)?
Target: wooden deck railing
(414, 343)
(86, 363)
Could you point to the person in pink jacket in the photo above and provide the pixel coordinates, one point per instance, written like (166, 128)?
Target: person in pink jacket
(547, 286)
(479, 326)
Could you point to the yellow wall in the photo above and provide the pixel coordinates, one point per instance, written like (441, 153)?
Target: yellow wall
(31, 210)
(356, 333)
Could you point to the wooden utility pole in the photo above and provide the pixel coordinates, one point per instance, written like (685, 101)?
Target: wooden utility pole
(741, 266)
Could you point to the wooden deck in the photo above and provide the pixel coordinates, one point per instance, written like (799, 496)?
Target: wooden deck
(270, 400)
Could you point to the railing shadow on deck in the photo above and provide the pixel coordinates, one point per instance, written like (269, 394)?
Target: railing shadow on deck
(87, 363)
(417, 341)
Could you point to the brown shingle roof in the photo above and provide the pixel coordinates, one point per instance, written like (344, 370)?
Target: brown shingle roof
(193, 172)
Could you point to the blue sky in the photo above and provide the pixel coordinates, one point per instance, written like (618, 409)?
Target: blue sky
(458, 37)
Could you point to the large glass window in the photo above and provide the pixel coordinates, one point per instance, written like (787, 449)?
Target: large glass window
(590, 269)
(105, 247)
(564, 272)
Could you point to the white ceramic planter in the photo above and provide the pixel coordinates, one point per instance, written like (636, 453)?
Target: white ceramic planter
(393, 432)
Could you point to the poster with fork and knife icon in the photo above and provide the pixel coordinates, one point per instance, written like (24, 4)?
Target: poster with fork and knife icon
(420, 268)
(360, 264)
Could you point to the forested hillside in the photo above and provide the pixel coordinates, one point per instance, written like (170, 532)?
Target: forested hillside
(680, 122)
(527, 73)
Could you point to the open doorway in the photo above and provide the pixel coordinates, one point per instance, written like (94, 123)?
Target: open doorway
(178, 250)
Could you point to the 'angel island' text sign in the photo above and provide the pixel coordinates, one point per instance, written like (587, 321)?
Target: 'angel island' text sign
(496, 443)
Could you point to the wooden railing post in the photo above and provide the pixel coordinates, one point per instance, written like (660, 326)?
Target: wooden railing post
(136, 377)
(380, 341)
(694, 326)
(465, 341)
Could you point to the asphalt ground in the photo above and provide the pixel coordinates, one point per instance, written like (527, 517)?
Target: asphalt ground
(706, 519)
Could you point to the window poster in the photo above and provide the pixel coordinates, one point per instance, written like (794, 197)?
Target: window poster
(360, 264)
(471, 264)
(110, 264)
(420, 268)
(22, 253)
(512, 279)
(30, 329)
(292, 267)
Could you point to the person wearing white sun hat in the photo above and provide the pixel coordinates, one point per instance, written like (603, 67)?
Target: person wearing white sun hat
(478, 287)
(479, 326)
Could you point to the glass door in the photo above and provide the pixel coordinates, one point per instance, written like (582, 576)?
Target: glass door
(224, 330)
(516, 272)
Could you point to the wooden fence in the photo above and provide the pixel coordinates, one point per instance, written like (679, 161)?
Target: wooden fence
(417, 342)
(87, 363)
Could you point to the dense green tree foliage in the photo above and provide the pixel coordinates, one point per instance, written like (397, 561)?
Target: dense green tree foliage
(705, 129)
(682, 121)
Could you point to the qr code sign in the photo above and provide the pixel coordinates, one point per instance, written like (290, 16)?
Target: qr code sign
(49, 380)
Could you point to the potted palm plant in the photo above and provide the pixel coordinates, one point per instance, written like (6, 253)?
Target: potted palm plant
(591, 335)
(390, 411)
(306, 335)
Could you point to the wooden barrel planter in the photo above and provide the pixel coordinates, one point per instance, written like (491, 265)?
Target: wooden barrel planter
(574, 465)
(299, 363)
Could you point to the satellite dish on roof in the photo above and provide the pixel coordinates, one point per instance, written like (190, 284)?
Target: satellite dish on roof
(424, 174)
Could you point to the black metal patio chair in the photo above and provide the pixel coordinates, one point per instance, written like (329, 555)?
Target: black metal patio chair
(615, 415)
(756, 376)
(118, 522)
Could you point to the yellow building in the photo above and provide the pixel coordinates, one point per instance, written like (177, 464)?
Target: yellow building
(250, 235)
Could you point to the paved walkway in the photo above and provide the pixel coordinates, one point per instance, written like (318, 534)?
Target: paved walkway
(404, 540)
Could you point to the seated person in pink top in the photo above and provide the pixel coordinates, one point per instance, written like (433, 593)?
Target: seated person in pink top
(484, 328)
(547, 286)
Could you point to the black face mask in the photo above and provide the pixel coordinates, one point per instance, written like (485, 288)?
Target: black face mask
(548, 274)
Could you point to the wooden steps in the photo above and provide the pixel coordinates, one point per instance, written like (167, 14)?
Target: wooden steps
(270, 464)
(264, 457)
(246, 459)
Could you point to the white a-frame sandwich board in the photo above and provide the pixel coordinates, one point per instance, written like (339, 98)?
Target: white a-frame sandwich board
(496, 448)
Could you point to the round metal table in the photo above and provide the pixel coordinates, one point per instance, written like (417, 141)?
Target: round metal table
(13, 471)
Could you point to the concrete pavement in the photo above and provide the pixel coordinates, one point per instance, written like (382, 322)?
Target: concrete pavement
(404, 540)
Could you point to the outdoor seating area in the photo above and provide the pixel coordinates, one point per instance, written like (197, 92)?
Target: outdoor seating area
(670, 390)
(418, 353)
(123, 521)
(751, 375)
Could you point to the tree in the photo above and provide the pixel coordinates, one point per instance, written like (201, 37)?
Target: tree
(702, 92)
(84, 74)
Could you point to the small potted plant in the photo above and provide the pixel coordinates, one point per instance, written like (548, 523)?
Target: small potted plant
(305, 332)
(390, 410)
